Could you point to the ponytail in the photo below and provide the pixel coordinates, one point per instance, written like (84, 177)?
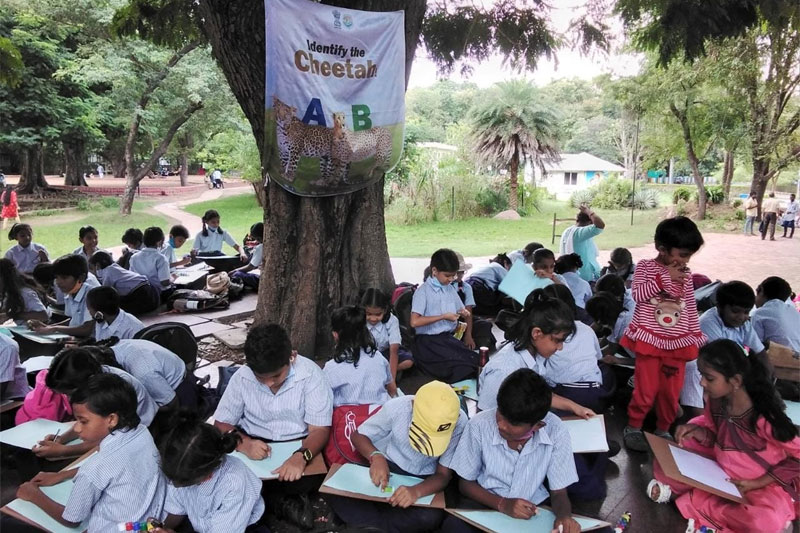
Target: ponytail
(550, 315)
(208, 215)
(568, 263)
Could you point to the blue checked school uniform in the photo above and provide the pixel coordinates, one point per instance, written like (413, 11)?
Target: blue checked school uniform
(213, 241)
(305, 399)
(121, 483)
(431, 299)
(501, 364)
(11, 371)
(146, 407)
(124, 326)
(579, 287)
(386, 333)
(388, 431)
(778, 321)
(158, 369)
(229, 501)
(491, 275)
(25, 259)
(152, 265)
(714, 328)
(31, 303)
(75, 304)
(359, 384)
(122, 280)
(483, 456)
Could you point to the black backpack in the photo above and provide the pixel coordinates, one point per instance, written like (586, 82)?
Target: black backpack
(175, 337)
(402, 299)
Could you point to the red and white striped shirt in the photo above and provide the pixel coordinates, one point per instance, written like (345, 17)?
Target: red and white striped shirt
(666, 311)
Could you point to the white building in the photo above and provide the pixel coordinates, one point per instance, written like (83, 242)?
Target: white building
(573, 172)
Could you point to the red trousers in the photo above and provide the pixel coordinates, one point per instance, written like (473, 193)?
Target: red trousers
(657, 380)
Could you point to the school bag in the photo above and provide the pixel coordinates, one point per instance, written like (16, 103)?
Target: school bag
(175, 337)
(706, 297)
(43, 402)
(346, 420)
(402, 298)
(187, 300)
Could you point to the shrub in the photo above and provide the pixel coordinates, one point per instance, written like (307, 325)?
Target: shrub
(492, 200)
(682, 193)
(582, 196)
(85, 204)
(739, 214)
(714, 194)
(109, 201)
(645, 199)
(737, 202)
(612, 193)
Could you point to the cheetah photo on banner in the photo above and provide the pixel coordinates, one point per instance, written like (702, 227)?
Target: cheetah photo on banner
(335, 96)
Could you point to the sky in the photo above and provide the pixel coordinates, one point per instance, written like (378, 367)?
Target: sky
(570, 63)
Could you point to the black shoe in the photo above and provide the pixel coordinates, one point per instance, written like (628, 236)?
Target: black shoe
(297, 511)
(613, 448)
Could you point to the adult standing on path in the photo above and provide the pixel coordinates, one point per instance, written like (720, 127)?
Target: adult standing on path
(579, 239)
(770, 211)
(751, 212)
(101, 172)
(790, 214)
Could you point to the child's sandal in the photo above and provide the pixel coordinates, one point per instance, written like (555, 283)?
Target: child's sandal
(664, 491)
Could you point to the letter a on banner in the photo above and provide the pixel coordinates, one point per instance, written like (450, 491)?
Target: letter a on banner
(335, 96)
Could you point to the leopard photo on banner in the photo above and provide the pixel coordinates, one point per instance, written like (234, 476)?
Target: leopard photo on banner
(335, 96)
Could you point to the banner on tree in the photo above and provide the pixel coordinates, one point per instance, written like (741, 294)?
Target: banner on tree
(335, 93)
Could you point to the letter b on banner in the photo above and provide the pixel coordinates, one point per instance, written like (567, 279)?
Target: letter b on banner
(361, 120)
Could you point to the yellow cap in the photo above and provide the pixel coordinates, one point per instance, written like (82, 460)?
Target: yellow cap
(434, 417)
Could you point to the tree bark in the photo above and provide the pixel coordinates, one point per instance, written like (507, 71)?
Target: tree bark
(74, 162)
(31, 179)
(680, 114)
(513, 189)
(185, 143)
(727, 174)
(319, 252)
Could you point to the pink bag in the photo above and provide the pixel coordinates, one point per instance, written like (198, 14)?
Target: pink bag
(43, 402)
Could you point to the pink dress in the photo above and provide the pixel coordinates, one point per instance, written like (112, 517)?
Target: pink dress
(768, 509)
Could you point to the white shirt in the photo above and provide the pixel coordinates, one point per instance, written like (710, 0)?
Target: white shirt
(32, 303)
(11, 371)
(778, 321)
(151, 264)
(257, 256)
(579, 287)
(25, 259)
(120, 279)
(501, 364)
(158, 369)
(386, 333)
(576, 362)
(361, 384)
(213, 241)
(75, 304)
(146, 407)
(124, 326)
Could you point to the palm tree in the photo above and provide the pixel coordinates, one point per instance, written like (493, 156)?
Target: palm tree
(509, 127)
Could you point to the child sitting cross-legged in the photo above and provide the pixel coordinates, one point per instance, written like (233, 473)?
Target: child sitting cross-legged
(516, 456)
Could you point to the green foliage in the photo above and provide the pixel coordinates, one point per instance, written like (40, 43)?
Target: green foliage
(644, 199)
(492, 200)
(737, 202)
(682, 193)
(714, 194)
(582, 196)
(171, 23)
(109, 202)
(615, 193)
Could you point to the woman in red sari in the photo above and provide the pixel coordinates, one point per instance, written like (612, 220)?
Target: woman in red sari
(745, 429)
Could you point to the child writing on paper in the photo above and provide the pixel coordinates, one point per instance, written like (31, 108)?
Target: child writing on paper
(122, 481)
(150, 263)
(243, 274)
(385, 330)
(213, 490)
(20, 296)
(358, 372)
(744, 428)
(543, 326)
(26, 254)
(506, 454)
(132, 239)
(435, 312)
(209, 241)
(414, 435)
(664, 333)
(611, 320)
(136, 294)
(178, 235)
(110, 320)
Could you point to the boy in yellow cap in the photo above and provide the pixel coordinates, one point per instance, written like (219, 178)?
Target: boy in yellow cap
(414, 435)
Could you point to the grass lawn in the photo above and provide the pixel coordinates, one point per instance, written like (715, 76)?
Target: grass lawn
(474, 237)
(59, 233)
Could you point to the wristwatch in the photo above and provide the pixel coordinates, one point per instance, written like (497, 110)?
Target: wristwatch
(307, 455)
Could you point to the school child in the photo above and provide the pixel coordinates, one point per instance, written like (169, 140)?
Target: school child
(485, 281)
(13, 379)
(178, 235)
(8, 198)
(414, 435)
(89, 238)
(385, 330)
(525, 254)
(243, 274)
(72, 278)
(136, 294)
(132, 239)
(543, 326)
(358, 374)
(567, 266)
(150, 263)
(278, 396)
(26, 254)
(664, 333)
(435, 313)
(20, 295)
(730, 319)
(616, 286)
(544, 266)
(620, 264)
(209, 241)
(611, 320)
(479, 331)
(110, 321)
(514, 457)
(215, 491)
(122, 481)
(776, 319)
(71, 369)
(744, 428)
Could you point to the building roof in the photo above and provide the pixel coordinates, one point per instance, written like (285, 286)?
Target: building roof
(582, 162)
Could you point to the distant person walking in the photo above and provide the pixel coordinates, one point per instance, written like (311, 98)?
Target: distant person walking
(769, 211)
(8, 199)
(789, 215)
(216, 179)
(751, 212)
(579, 239)
(101, 172)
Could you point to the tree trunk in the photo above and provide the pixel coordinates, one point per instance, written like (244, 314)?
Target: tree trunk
(31, 179)
(319, 252)
(261, 196)
(513, 188)
(183, 162)
(727, 174)
(693, 160)
(760, 180)
(74, 162)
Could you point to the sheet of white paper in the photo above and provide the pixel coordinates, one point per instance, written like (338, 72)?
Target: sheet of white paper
(355, 478)
(50, 338)
(29, 434)
(542, 522)
(216, 257)
(703, 470)
(199, 267)
(59, 493)
(280, 452)
(587, 435)
(793, 411)
(35, 364)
